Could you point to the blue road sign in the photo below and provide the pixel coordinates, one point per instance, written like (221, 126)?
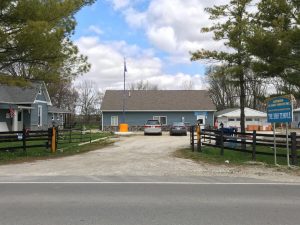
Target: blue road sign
(280, 110)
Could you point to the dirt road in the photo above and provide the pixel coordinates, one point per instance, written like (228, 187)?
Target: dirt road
(139, 156)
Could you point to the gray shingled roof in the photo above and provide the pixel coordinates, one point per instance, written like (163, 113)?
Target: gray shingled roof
(191, 100)
(14, 94)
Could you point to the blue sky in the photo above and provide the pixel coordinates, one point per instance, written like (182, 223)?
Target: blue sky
(155, 36)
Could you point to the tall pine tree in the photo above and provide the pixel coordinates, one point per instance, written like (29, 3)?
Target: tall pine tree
(232, 22)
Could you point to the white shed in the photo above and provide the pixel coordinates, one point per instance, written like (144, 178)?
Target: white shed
(231, 117)
(296, 118)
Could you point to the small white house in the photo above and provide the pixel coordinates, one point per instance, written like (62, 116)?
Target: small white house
(231, 117)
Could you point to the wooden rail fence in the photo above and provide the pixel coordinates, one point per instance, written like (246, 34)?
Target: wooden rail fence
(245, 142)
(23, 140)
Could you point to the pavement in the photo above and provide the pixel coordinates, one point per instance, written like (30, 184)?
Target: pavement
(145, 201)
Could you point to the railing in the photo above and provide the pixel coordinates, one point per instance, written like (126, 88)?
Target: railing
(25, 139)
(245, 142)
(74, 136)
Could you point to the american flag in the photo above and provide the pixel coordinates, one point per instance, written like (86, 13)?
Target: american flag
(11, 112)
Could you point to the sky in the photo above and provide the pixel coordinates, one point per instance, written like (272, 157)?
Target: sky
(155, 37)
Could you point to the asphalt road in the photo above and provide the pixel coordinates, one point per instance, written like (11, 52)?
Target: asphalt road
(147, 202)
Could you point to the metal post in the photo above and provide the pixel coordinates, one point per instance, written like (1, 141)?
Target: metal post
(24, 139)
(124, 94)
(275, 152)
(287, 145)
(222, 142)
(254, 145)
(193, 138)
(198, 138)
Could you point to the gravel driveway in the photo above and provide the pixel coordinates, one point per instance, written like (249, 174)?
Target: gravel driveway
(139, 156)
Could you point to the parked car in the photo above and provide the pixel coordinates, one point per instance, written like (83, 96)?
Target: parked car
(152, 127)
(178, 128)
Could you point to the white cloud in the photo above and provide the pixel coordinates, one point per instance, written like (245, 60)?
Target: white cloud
(174, 26)
(107, 66)
(122, 4)
(95, 29)
(163, 37)
(119, 4)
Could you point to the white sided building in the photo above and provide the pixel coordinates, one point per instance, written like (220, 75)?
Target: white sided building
(296, 118)
(232, 117)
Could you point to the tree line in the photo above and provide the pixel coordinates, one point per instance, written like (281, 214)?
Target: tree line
(262, 40)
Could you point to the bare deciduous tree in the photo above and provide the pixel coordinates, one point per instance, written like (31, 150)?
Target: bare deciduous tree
(90, 99)
(225, 93)
(187, 85)
(143, 85)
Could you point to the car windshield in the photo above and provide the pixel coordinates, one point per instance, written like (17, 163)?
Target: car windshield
(152, 122)
(178, 124)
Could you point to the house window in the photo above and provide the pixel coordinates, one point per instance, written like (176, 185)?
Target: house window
(256, 119)
(52, 116)
(40, 91)
(230, 119)
(162, 119)
(114, 121)
(295, 118)
(40, 112)
(57, 116)
(249, 119)
(238, 119)
(62, 117)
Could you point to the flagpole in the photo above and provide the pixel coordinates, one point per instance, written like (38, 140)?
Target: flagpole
(124, 91)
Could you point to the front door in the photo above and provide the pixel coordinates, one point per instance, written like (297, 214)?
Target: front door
(20, 120)
(201, 121)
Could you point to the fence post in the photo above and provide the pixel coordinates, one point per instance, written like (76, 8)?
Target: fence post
(57, 136)
(90, 135)
(70, 135)
(294, 148)
(24, 139)
(254, 145)
(198, 138)
(53, 140)
(192, 138)
(81, 133)
(222, 142)
(49, 137)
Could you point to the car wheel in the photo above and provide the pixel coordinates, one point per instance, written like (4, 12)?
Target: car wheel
(160, 134)
(145, 134)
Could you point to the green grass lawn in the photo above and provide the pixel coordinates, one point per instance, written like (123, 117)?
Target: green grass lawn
(65, 148)
(212, 155)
